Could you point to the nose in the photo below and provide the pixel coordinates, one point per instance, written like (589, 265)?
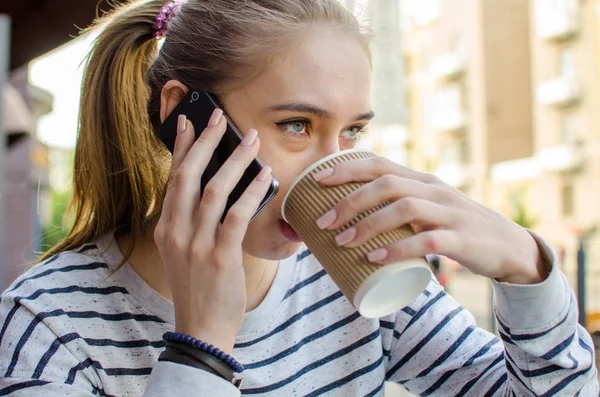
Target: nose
(329, 146)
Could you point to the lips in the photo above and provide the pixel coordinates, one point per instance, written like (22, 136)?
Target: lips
(288, 232)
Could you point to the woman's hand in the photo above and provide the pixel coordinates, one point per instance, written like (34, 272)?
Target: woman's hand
(446, 222)
(203, 258)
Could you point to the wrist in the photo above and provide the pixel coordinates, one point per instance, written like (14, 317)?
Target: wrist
(529, 267)
(212, 337)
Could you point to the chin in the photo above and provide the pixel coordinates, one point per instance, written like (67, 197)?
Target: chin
(265, 240)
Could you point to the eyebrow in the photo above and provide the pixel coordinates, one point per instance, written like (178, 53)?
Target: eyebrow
(308, 108)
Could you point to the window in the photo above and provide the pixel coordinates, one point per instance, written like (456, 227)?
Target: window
(455, 152)
(567, 199)
(566, 63)
(568, 128)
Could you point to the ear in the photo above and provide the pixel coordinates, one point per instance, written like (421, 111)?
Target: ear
(170, 96)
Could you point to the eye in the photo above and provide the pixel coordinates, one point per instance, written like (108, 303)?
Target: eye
(294, 127)
(354, 132)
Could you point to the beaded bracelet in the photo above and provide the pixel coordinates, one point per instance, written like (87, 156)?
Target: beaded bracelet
(205, 347)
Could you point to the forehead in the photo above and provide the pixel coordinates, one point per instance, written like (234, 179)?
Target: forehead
(331, 70)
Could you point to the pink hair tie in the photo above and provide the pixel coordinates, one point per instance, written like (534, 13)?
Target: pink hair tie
(166, 14)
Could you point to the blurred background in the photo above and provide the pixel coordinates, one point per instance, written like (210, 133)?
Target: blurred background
(501, 99)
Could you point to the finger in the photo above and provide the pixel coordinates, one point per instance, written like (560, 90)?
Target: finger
(399, 213)
(366, 170)
(441, 242)
(236, 222)
(387, 188)
(217, 190)
(183, 142)
(185, 185)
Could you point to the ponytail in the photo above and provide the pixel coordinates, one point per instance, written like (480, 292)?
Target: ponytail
(121, 167)
(119, 174)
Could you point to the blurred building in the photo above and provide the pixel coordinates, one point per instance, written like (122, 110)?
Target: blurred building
(26, 174)
(504, 104)
(560, 183)
(468, 87)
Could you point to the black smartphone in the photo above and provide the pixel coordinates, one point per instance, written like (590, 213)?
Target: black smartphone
(198, 106)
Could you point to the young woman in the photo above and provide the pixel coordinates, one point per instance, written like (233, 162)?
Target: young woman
(147, 255)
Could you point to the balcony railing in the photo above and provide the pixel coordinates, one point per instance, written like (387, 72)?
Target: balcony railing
(449, 121)
(559, 92)
(566, 157)
(557, 20)
(447, 66)
(454, 173)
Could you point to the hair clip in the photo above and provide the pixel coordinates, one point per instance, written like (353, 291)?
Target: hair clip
(166, 14)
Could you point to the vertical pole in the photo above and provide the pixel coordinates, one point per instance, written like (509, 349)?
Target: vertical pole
(4, 65)
(581, 281)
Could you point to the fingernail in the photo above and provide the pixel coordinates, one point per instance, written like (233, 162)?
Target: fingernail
(264, 174)
(327, 219)
(181, 123)
(319, 176)
(249, 138)
(377, 255)
(346, 236)
(215, 118)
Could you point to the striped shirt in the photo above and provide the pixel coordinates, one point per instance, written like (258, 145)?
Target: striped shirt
(72, 328)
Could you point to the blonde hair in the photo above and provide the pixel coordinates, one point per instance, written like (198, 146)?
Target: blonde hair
(119, 173)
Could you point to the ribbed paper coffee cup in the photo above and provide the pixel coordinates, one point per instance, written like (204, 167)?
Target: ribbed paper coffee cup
(375, 290)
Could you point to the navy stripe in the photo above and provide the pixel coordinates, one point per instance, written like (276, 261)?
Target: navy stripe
(496, 385)
(101, 392)
(505, 338)
(50, 260)
(376, 390)
(303, 255)
(304, 283)
(92, 342)
(522, 337)
(409, 311)
(555, 351)
(59, 312)
(20, 345)
(472, 382)
(89, 266)
(448, 352)
(386, 353)
(109, 371)
(542, 371)
(340, 353)
(72, 289)
(304, 341)
(293, 319)
(566, 381)
(442, 379)
(424, 309)
(128, 371)
(86, 248)
(570, 378)
(23, 385)
(349, 378)
(125, 343)
(7, 320)
(39, 369)
(82, 365)
(586, 346)
(514, 374)
(413, 352)
(386, 324)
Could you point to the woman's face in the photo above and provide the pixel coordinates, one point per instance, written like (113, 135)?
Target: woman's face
(313, 101)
